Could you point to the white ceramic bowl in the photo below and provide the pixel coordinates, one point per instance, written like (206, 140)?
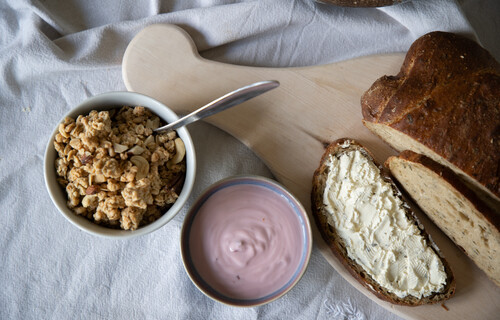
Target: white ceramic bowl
(107, 101)
(228, 208)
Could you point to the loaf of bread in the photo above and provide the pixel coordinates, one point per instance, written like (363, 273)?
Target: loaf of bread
(445, 104)
(370, 228)
(456, 210)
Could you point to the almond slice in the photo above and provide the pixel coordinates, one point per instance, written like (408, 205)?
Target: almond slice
(136, 150)
(99, 178)
(119, 148)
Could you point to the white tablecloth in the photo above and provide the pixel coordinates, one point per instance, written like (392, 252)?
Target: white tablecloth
(54, 54)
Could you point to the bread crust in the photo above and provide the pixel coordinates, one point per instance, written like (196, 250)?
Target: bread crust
(338, 246)
(447, 85)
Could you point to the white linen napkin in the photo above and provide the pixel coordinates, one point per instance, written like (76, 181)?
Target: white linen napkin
(54, 54)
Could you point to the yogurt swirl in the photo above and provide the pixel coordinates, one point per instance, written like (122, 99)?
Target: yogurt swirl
(246, 241)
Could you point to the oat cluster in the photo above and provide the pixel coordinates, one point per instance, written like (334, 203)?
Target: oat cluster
(115, 170)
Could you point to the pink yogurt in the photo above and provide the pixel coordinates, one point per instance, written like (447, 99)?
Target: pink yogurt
(247, 240)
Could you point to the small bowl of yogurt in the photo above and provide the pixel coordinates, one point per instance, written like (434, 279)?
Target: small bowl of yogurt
(246, 241)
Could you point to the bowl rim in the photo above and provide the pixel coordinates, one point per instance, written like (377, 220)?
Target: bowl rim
(202, 285)
(106, 101)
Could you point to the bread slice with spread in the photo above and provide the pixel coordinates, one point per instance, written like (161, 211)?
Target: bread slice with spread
(369, 227)
(454, 208)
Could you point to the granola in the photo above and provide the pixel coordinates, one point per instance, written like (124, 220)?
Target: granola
(115, 170)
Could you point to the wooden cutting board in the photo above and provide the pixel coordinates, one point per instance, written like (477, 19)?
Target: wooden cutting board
(288, 128)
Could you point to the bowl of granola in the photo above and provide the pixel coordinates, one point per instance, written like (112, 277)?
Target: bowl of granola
(110, 174)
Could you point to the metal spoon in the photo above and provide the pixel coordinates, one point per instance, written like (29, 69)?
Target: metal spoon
(227, 101)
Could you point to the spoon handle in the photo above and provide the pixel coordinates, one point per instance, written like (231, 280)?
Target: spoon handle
(227, 101)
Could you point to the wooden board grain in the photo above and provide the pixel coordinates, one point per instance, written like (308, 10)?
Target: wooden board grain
(288, 127)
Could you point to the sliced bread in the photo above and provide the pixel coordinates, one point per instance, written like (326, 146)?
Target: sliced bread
(369, 227)
(472, 225)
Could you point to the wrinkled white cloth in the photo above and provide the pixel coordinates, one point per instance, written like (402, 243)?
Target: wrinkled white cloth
(54, 54)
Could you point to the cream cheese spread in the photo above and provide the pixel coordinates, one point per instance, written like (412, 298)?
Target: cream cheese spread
(372, 222)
